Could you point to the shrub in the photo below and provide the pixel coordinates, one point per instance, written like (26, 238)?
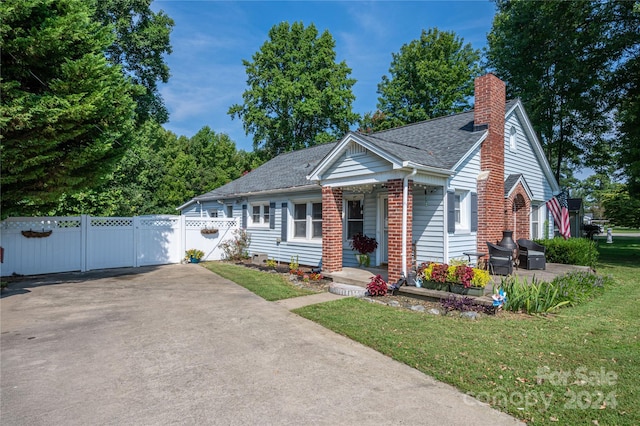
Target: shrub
(271, 263)
(570, 289)
(537, 297)
(465, 304)
(574, 251)
(237, 248)
(377, 286)
(480, 278)
(580, 287)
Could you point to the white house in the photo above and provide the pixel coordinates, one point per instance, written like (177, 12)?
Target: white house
(426, 191)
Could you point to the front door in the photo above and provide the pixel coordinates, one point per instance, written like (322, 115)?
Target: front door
(384, 226)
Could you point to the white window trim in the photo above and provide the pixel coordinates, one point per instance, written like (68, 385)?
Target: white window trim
(345, 215)
(309, 220)
(513, 138)
(465, 211)
(261, 222)
(536, 223)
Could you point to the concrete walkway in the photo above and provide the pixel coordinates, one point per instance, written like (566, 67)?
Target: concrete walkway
(180, 345)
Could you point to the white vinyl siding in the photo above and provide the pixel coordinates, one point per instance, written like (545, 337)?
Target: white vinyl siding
(464, 183)
(357, 166)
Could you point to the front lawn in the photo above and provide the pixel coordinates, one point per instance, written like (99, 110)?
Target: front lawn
(579, 366)
(269, 286)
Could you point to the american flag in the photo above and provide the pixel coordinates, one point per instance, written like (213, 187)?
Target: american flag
(560, 211)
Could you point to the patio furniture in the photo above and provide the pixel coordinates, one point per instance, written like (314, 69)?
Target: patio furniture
(477, 254)
(532, 255)
(500, 260)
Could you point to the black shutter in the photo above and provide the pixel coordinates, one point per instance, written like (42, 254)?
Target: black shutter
(285, 216)
(474, 212)
(272, 215)
(451, 212)
(244, 216)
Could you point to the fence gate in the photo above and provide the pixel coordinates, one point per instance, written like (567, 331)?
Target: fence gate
(42, 245)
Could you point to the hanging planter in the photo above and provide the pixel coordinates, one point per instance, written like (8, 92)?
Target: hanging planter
(208, 231)
(37, 234)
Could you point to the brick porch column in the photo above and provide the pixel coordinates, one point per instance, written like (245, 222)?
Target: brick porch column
(394, 243)
(331, 229)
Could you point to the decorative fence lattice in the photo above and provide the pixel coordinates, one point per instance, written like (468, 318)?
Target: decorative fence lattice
(24, 223)
(60, 244)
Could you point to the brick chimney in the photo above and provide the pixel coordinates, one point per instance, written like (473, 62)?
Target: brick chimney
(489, 111)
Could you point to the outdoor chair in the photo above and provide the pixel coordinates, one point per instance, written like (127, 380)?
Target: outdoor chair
(500, 260)
(532, 255)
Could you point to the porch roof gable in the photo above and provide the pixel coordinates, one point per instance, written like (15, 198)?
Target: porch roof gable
(435, 145)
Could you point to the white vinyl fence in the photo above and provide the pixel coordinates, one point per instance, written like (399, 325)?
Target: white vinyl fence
(83, 243)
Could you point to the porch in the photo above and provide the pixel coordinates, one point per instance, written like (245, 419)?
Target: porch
(361, 277)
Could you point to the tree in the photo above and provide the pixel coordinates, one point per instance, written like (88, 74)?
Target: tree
(298, 95)
(430, 77)
(622, 209)
(66, 112)
(555, 56)
(625, 87)
(141, 41)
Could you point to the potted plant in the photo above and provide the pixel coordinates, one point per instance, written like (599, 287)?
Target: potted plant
(194, 255)
(468, 281)
(434, 276)
(459, 279)
(364, 246)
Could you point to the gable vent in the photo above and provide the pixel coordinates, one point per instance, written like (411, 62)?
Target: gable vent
(354, 150)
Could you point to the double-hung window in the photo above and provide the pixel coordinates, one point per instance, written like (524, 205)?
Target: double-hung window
(535, 221)
(260, 214)
(307, 220)
(354, 218)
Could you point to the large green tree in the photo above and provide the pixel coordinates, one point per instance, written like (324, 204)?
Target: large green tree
(430, 77)
(141, 41)
(66, 112)
(556, 57)
(159, 172)
(298, 95)
(625, 87)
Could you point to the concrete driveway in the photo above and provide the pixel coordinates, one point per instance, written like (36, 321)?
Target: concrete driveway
(180, 345)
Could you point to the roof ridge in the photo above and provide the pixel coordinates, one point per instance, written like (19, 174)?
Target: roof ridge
(373, 136)
(424, 121)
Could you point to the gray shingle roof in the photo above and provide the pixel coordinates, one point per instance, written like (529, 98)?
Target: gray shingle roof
(288, 170)
(510, 182)
(440, 143)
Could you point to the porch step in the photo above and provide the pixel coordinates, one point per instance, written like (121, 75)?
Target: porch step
(347, 290)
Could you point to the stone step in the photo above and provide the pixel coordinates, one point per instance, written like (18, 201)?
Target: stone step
(347, 290)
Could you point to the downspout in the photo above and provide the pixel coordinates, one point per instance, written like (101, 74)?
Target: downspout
(405, 208)
(199, 205)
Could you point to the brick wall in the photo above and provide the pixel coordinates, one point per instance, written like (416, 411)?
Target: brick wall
(517, 207)
(394, 244)
(489, 110)
(331, 229)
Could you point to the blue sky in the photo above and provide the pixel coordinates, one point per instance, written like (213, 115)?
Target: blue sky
(211, 38)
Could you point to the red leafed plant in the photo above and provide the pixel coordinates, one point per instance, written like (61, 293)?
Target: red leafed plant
(377, 286)
(363, 244)
(440, 272)
(464, 275)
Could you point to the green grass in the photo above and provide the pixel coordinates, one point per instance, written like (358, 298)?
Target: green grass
(502, 360)
(268, 286)
(622, 251)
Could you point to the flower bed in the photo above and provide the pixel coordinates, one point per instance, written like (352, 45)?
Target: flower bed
(459, 279)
